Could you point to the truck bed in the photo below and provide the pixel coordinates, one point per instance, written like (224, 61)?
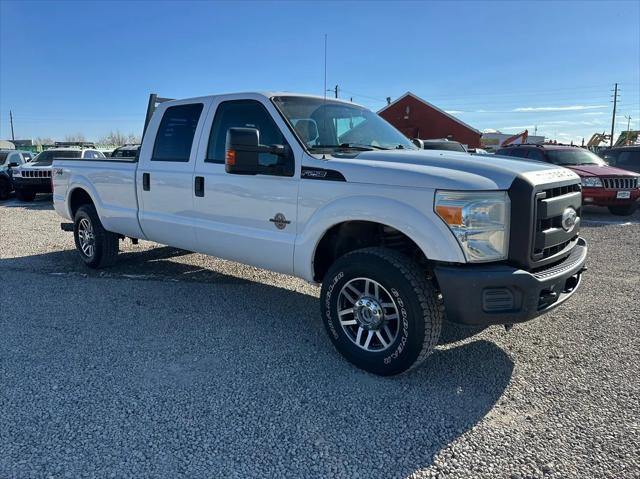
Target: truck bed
(111, 184)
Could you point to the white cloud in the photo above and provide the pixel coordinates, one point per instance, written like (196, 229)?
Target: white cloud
(594, 113)
(454, 112)
(561, 108)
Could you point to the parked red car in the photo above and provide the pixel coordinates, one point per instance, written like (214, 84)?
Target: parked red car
(602, 185)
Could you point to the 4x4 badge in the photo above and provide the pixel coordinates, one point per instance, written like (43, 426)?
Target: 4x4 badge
(280, 221)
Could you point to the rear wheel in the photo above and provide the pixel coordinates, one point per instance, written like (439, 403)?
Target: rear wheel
(381, 312)
(626, 210)
(97, 247)
(5, 188)
(25, 195)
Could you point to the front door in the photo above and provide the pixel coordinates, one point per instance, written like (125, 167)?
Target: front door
(245, 218)
(165, 177)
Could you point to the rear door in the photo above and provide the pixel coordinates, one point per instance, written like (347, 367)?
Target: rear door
(247, 218)
(164, 179)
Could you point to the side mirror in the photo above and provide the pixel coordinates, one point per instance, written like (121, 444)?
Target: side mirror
(243, 149)
(419, 143)
(13, 164)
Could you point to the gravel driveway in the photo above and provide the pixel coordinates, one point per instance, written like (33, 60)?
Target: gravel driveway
(173, 364)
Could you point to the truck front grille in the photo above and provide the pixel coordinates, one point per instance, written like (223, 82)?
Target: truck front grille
(36, 173)
(550, 238)
(537, 237)
(620, 183)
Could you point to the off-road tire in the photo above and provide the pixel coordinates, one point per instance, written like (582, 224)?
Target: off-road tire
(421, 314)
(5, 188)
(106, 244)
(25, 195)
(627, 210)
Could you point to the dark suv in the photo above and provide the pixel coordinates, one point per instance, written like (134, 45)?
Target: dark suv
(602, 185)
(625, 157)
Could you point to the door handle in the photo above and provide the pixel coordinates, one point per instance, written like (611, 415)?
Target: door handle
(199, 186)
(146, 181)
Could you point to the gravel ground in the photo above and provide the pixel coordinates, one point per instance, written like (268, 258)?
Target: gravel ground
(174, 364)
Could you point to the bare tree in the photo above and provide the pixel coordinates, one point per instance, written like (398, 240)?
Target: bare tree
(116, 138)
(76, 137)
(43, 141)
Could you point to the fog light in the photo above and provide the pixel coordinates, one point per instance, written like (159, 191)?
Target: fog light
(497, 299)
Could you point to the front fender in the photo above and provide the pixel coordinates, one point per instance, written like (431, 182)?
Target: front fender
(425, 229)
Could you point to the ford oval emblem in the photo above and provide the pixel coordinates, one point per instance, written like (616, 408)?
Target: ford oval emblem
(569, 218)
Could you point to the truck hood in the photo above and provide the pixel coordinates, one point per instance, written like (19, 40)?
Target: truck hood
(442, 169)
(35, 166)
(597, 170)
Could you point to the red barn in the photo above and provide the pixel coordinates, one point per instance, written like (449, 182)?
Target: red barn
(417, 118)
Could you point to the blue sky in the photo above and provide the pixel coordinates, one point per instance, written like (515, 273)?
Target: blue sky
(88, 67)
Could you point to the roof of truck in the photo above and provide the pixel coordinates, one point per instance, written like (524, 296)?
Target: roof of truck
(268, 94)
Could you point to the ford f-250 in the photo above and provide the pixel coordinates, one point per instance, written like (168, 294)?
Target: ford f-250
(400, 238)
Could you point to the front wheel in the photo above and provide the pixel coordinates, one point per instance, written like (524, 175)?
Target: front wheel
(622, 210)
(97, 247)
(380, 310)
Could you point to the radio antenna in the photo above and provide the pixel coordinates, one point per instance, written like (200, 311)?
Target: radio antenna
(325, 66)
(324, 119)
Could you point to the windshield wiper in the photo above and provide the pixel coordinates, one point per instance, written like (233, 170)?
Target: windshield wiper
(348, 146)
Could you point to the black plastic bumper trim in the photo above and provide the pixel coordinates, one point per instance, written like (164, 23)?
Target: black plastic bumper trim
(464, 289)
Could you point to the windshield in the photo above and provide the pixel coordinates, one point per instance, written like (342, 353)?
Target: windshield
(46, 157)
(574, 156)
(325, 126)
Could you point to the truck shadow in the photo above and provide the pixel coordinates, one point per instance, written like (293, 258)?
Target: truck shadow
(41, 202)
(252, 363)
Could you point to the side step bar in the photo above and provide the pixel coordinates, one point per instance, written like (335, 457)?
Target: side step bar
(66, 227)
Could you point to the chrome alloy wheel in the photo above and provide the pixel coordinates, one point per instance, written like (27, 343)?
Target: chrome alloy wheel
(86, 237)
(368, 314)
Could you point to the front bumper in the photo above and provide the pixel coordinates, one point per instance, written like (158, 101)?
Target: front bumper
(482, 295)
(36, 185)
(607, 197)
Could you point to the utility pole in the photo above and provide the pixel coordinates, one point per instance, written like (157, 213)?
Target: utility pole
(11, 120)
(613, 117)
(628, 139)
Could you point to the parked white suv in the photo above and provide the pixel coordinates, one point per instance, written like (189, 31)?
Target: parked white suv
(35, 177)
(400, 238)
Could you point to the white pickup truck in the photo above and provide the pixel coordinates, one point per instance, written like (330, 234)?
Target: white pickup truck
(401, 238)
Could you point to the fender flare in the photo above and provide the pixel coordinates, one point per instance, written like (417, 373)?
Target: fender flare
(79, 182)
(433, 237)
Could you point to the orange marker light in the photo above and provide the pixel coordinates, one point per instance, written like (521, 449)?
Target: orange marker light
(451, 215)
(231, 157)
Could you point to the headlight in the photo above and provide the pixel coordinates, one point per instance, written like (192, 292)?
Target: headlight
(592, 181)
(478, 220)
(15, 172)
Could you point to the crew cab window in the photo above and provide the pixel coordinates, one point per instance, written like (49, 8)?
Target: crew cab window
(243, 114)
(88, 155)
(176, 132)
